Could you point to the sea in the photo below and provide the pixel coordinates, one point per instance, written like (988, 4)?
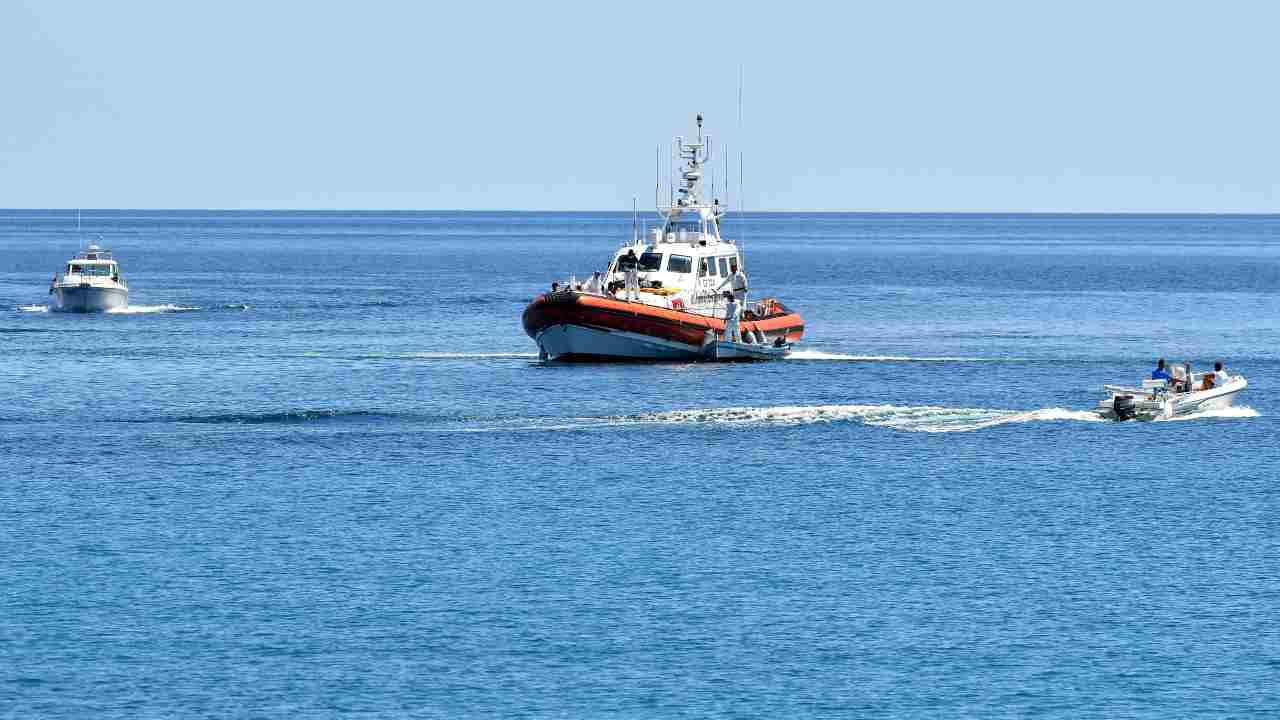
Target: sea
(316, 469)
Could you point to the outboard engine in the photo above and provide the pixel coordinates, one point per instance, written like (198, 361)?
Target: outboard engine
(1123, 407)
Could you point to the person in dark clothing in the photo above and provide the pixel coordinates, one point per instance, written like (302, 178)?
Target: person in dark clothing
(628, 261)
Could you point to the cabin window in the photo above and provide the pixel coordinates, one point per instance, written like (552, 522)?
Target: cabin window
(702, 267)
(680, 264)
(724, 267)
(733, 264)
(650, 261)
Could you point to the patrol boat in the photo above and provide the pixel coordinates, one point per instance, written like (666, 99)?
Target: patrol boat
(91, 283)
(665, 294)
(1159, 400)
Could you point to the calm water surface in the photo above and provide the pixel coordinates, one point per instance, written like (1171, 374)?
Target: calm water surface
(317, 471)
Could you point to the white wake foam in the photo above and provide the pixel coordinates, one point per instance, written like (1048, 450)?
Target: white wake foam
(925, 418)
(820, 355)
(146, 309)
(34, 308)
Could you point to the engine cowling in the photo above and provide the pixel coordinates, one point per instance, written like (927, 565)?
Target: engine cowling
(1124, 407)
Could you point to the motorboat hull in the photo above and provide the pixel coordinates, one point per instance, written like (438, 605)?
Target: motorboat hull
(727, 351)
(1148, 407)
(85, 298)
(574, 326)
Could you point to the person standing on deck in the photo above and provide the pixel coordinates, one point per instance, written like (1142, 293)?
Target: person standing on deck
(731, 312)
(738, 283)
(628, 264)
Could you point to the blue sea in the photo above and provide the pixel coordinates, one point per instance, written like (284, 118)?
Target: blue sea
(317, 470)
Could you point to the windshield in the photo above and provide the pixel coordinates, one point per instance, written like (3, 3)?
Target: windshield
(93, 270)
(651, 261)
(680, 264)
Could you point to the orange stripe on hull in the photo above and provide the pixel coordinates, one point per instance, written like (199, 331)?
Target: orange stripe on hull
(675, 325)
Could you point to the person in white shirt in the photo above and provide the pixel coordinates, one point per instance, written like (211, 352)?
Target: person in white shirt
(738, 283)
(594, 285)
(1220, 376)
(731, 312)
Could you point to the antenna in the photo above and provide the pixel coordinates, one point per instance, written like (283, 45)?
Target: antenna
(742, 194)
(635, 228)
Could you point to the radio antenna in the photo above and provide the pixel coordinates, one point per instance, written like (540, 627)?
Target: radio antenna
(742, 194)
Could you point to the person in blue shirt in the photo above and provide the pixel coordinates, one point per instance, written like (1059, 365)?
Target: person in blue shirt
(1160, 373)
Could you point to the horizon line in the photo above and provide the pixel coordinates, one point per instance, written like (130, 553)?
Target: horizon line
(729, 215)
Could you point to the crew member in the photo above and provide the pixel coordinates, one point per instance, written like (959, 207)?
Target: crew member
(594, 285)
(731, 312)
(1160, 373)
(738, 283)
(632, 279)
(1220, 376)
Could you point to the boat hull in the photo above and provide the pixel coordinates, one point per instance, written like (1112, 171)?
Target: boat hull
(572, 326)
(87, 298)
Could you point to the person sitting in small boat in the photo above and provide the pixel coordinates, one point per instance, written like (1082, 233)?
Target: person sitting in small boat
(555, 287)
(1160, 373)
(594, 284)
(1220, 375)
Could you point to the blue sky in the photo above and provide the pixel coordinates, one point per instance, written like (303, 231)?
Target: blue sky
(901, 106)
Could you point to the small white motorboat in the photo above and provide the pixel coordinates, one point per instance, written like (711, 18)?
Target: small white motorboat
(730, 351)
(1158, 400)
(91, 283)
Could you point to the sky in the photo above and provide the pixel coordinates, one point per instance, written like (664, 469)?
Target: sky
(879, 106)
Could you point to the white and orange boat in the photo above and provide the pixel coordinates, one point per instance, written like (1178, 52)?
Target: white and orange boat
(677, 306)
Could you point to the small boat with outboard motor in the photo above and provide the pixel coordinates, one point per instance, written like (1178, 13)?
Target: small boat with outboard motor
(90, 283)
(1162, 399)
(663, 295)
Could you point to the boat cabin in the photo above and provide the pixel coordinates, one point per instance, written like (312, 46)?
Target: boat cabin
(93, 262)
(684, 264)
(678, 261)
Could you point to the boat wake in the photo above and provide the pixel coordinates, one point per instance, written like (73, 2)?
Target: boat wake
(820, 355)
(924, 418)
(148, 309)
(34, 308)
